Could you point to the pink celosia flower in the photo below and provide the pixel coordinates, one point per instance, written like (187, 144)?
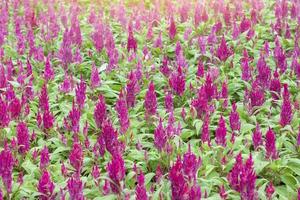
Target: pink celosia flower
(205, 136)
(116, 171)
(257, 137)
(160, 137)
(45, 158)
(275, 86)
(169, 102)
(6, 168)
(150, 103)
(110, 137)
(80, 93)
(4, 114)
(131, 41)
(177, 81)
(234, 119)
(23, 137)
(221, 132)
(121, 108)
(179, 186)
(172, 28)
(257, 95)
(100, 111)
(242, 178)
(76, 156)
(140, 190)
(95, 78)
(48, 71)
(191, 164)
(286, 109)
(223, 52)
(132, 88)
(270, 190)
(75, 188)
(46, 186)
(270, 145)
(15, 108)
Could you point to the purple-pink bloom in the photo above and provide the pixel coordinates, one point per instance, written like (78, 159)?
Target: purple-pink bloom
(177, 81)
(80, 93)
(223, 52)
(95, 78)
(172, 28)
(116, 172)
(257, 137)
(100, 111)
(179, 186)
(169, 102)
(131, 41)
(221, 132)
(121, 108)
(140, 190)
(191, 164)
(275, 86)
(160, 137)
(75, 188)
(150, 103)
(110, 137)
(76, 156)
(46, 186)
(48, 71)
(132, 88)
(6, 168)
(4, 114)
(45, 158)
(23, 137)
(234, 119)
(286, 108)
(270, 145)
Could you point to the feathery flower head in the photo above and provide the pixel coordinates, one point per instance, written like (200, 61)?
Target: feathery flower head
(177, 81)
(45, 186)
(172, 28)
(95, 78)
(45, 158)
(150, 103)
(160, 137)
(270, 145)
(75, 188)
(23, 137)
(140, 190)
(121, 108)
(76, 156)
(221, 132)
(234, 119)
(116, 171)
(6, 168)
(100, 111)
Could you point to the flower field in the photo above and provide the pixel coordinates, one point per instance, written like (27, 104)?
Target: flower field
(142, 99)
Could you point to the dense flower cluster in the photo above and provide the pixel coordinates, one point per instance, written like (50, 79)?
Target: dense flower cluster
(149, 99)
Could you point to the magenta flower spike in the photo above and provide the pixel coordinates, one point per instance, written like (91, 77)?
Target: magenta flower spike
(76, 157)
(116, 171)
(221, 132)
(270, 145)
(100, 111)
(172, 28)
(234, 119)
(6, 168)
(150, 102)
(160, 137)
(23, 137)
(140, 190)
(75, 188)
(46, 186)
(286, 108)
(121, 108)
